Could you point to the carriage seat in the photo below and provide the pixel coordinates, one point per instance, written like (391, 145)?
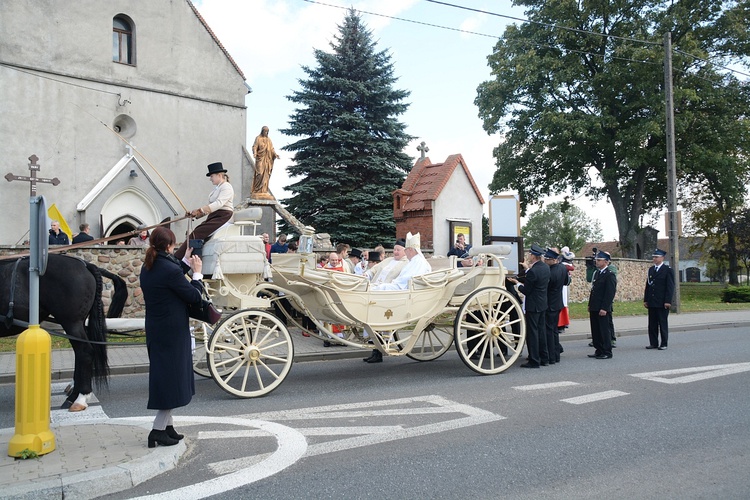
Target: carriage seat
(493, 249)
(232, 250)
(435, 279)
(438, 263)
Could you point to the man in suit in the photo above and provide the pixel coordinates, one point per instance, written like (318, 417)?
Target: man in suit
(603, 288)
(657, 298)
(84, 235)
(534, 289)
(558, 278)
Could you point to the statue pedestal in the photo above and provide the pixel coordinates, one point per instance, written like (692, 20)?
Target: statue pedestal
(271, 203)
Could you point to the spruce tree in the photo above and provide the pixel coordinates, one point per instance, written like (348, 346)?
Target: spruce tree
(350, 156)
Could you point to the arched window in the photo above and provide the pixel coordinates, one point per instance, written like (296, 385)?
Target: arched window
(123, 40)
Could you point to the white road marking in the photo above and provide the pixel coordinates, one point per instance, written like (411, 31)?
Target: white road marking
(291, 447)
(551, 385)
(696, 373)
(473, 416)
(597, 396)
(305, 431)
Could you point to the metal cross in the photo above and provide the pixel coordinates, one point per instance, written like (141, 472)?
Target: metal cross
(32, 179)
(423, 149)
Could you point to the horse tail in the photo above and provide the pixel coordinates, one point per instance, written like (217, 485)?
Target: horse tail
(97, 330)
(117, 303)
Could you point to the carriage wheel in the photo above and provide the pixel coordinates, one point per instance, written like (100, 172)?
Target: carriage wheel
(489, 330)
(201, 333)
(433, 341)
(250, 353)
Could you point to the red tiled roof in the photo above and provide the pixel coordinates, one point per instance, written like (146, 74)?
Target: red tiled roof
(216, 39)
(426, 181)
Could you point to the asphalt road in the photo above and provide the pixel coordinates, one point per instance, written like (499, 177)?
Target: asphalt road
(402, 429)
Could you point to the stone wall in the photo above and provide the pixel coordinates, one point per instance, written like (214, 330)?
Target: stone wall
(126, 261)
(631, 280)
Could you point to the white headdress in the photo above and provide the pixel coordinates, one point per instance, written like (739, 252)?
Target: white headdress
(412, 241)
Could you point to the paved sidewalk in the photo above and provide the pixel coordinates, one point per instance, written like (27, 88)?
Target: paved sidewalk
(113, 457)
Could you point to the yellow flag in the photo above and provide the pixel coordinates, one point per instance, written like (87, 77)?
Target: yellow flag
(55, 214)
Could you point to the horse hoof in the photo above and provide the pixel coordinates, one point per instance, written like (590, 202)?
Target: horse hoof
(66, 404)
(68, 389)
(77, 407)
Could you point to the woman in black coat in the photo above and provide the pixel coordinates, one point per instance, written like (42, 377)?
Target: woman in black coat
(167, 295)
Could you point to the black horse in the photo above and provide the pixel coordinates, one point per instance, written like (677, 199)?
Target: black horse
(70, 292)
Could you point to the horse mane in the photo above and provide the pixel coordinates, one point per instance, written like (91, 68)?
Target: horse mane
(96, 330)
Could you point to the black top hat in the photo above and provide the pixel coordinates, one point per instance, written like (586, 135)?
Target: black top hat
(400, 242)
(536, 250)
(356, 252)
(373, 256)
(215, 168)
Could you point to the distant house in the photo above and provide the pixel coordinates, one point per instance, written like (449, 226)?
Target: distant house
(153, 72)
(439, 200)
(691, 267)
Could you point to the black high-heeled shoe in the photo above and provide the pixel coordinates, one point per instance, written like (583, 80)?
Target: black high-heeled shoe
(160, 437)
(173, 433)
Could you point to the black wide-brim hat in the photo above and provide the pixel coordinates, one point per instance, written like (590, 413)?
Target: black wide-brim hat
(215, 168)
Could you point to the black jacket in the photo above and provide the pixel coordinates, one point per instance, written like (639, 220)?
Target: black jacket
(535, 287)
(603, 288)
(58, 239)
(81, 237)
(659, 286)
(558, 278)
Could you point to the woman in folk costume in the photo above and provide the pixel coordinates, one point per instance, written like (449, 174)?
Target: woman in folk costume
(567, 261)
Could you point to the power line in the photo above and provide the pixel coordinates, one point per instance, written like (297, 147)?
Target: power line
(549, 25)
(710, 62)
(33, 73)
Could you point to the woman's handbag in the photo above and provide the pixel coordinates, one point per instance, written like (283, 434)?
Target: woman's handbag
(205, 311)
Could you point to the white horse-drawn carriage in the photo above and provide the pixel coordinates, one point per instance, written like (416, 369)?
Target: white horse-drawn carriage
(250, 351)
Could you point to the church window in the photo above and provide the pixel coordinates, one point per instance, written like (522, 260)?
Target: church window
(123, 40)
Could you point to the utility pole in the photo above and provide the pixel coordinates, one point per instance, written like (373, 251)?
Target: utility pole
(673, 221)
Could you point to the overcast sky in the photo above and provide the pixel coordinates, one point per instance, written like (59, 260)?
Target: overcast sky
(271, 39)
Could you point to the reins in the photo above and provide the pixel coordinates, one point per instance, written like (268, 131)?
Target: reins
(65, 248)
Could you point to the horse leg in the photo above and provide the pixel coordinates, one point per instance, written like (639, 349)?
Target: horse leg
(82, 371)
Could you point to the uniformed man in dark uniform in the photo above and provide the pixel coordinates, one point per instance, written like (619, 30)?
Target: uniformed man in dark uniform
(534, 289)
(558, 278)
(657, 298)
(603, 288)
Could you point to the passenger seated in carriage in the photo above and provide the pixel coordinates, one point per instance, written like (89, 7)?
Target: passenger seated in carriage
(416, 266)
(389, 269)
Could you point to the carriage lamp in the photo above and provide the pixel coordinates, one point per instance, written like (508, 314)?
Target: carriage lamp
(306, 240)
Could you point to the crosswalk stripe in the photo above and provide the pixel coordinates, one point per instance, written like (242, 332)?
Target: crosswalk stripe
(597, 396)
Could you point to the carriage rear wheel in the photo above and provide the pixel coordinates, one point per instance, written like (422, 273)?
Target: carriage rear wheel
(433, 341)
(250, 353)
(489, 330)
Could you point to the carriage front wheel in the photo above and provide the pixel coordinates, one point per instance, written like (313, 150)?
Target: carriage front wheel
(489, 330)
(250, 353)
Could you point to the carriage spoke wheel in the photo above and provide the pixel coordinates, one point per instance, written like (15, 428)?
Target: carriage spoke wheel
(433, 341)
(250, 353)
(200, 332)
(489, 330)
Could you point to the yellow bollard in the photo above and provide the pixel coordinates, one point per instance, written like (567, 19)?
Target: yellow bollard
(33, 386)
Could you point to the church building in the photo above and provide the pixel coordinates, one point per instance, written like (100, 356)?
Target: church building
(126, 102)
(439, 201)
